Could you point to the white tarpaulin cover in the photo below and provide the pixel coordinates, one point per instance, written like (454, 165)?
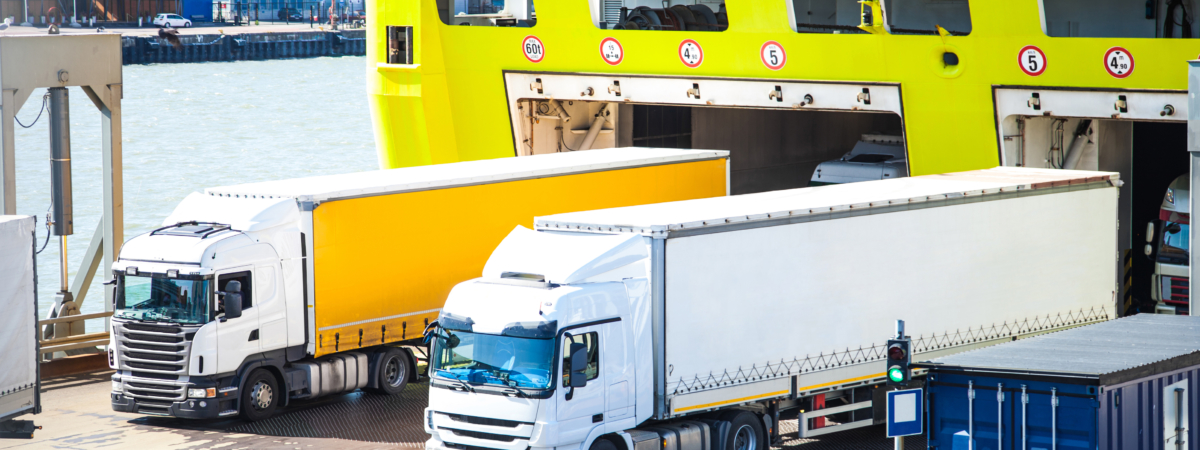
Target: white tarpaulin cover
(18, 345)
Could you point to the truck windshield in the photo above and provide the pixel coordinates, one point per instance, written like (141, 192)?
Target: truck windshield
(1174, 246)
(161, 299)
(491, 359)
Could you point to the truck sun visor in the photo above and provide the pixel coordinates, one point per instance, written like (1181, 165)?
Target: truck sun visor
(456, 323)
(535, 330)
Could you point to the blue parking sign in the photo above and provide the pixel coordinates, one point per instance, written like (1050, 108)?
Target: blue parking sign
(905, 409)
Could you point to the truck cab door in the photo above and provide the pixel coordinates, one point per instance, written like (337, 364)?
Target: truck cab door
(272, 310)
(618, 373)
(581, 409)
(239, 337)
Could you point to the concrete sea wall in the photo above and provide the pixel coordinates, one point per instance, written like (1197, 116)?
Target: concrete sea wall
(238, 47)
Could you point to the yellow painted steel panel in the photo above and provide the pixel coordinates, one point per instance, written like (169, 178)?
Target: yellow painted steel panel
(397, 256)
(949, 116)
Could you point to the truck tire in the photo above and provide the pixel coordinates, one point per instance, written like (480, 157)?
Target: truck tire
(392, 371)
(260, 396)
(745, 431)
(603, 443)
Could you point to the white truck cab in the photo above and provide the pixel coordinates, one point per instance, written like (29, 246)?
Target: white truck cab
(504, 346)
(166, 325)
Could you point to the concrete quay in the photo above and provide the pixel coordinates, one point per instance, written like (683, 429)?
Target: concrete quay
(228, 42)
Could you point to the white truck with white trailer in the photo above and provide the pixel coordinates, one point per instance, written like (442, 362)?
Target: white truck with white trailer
(20, 385)
(690, 325)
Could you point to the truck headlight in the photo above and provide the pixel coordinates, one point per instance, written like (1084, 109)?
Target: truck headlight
(116, 386)
(202, 393)
(1170, 196)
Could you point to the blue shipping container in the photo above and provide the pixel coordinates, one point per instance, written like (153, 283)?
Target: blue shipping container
(1001, 410)
(198, 10)
(1123, 384)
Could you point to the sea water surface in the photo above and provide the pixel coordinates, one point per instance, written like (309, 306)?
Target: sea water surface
(186, 127)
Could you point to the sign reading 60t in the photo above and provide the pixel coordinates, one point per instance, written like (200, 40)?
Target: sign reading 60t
(533, 48)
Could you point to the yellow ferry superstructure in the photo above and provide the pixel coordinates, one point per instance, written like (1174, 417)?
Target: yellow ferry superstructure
(464, 92)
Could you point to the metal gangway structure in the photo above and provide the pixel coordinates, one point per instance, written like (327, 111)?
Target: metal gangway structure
(92, 62)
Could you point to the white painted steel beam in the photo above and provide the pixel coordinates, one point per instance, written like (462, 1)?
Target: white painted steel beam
(1193, 143)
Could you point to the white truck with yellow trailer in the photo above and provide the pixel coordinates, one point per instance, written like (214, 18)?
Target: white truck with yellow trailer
(250, 296)
(691, 325)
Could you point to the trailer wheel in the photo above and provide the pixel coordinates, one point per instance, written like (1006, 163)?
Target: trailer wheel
(392, 371)
(745, 431)
(603, 444)
(260, 396)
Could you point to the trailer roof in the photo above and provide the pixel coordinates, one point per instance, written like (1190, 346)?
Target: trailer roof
(663, 218)
(421, 178)
(1095, 350)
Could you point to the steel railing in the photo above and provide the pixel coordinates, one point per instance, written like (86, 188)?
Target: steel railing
(52, 345)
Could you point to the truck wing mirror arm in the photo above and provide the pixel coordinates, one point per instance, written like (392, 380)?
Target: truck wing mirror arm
(429, 332)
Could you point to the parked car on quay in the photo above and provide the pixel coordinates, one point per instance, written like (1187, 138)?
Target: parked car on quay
(172, 20)
(291, 14)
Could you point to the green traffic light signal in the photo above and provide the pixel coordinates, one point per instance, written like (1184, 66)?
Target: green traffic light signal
(895, 374)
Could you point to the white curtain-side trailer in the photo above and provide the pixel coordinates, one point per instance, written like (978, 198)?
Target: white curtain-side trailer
(692, 324)
(20, 385)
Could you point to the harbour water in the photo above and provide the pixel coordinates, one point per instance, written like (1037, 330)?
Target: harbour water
(191, 126)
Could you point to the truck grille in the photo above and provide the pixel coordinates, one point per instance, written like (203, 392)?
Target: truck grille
(464, 446)
(152, 407)
(480, 435)
(484, 421)
(157, 395)
(154, 349)
(1175, 292)
(152, 328)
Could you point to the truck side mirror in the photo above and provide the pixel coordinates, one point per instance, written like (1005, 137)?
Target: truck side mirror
(1149, 250)
(579, 361)
(1149, 233)
(233, 300)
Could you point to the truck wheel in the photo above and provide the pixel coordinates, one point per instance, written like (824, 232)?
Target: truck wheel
(392, 371)
(745, 432)
(260, 396)
(603, 444)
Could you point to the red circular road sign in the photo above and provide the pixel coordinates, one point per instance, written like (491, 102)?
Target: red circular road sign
(1032, 60)
(611, 51)
(1118, 62)
(690, 53)
(533, 49)
(773, 56)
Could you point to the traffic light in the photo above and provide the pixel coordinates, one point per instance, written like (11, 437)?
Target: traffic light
(898, 359)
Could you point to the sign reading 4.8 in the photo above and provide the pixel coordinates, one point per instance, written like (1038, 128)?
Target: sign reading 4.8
(533, 48)
(690, 53)
(1118, 62)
